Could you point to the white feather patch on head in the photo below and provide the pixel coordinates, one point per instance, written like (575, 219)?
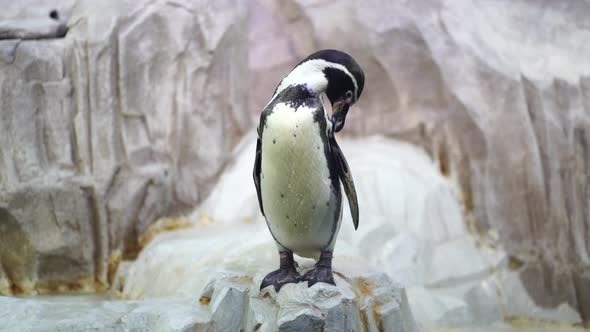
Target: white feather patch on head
(311, 73)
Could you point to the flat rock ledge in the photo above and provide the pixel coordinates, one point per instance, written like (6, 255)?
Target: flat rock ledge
(89, 313)
(370, 302)
(32, 29)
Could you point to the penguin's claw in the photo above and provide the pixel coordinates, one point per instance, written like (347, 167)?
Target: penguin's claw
(319, 274)
(279, 278)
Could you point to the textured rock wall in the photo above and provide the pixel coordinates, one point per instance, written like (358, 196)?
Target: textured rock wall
(127, 118)
(497, 92)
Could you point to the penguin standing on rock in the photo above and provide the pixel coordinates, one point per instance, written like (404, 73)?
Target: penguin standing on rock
(299, 166)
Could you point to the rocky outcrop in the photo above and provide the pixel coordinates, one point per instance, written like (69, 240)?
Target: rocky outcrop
(227, 304)
(88, 313)
(498, 94)
(127, 118)
(365, 302)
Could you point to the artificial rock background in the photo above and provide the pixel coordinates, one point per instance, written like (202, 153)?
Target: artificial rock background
(128, 118)
(131, 116)
(498, 92)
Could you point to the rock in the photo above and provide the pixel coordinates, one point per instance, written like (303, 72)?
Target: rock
(306, 320)
(520, 306)
(228, 303)
(321, 307)
(497, 94)
(36, 9)
(235, 302)
(34, 19)
(262, 315)
(92, 313)
(32, 29)
(127, 118)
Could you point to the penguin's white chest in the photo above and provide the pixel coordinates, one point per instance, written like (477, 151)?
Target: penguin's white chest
(301, 207)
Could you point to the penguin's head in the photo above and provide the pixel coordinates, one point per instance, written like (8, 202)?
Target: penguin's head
(345, 82)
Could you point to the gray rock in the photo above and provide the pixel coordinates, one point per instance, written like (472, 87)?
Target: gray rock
(35, 9)
(262, 315)
(229, 301)
(34, 19)
(323, 307)
(306, 319)
(87, 313)
(497, 93)
(32, 29)
(236, 303)
(226, 304)
(126, 119)
(225, 264)
(226, 254)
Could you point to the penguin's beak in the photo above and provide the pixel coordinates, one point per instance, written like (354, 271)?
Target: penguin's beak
(339, 111)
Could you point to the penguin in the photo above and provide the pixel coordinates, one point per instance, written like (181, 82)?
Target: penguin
(299, 168)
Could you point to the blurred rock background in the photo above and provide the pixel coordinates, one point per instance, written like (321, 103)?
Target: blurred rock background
(134, 115)
(128, 118)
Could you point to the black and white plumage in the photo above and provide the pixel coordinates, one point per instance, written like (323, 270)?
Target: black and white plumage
(299, 166)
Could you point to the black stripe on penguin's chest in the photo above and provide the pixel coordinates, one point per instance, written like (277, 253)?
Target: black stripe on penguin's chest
(320, 118)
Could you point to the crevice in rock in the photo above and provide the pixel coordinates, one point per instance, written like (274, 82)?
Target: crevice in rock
(8, 291)
(17, 254)
(181, 5)
(581, 229)
(443, 158)
(97, 231)
(39, 117)
(10, 56)
(131, 247)
(118, 145)
(89, 110)
(535, 111)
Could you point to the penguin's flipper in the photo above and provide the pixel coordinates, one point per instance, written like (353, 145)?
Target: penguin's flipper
(346, 178)
(256, 172)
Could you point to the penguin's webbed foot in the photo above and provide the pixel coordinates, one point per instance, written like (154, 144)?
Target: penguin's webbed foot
(322, 271)
(287, 273)
(319, 274)
(279, 278)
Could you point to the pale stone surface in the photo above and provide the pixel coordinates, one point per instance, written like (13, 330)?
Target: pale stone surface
(35, 9)
(496, 91)
(92, 313)
(509, 328)
(497, 99)
(227, 304)
(178, 265)
(32, 29)
(127, 118)
(236, 303)
(71, 314)
(34, 19)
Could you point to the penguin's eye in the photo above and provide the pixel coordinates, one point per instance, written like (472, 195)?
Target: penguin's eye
(348, 94)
